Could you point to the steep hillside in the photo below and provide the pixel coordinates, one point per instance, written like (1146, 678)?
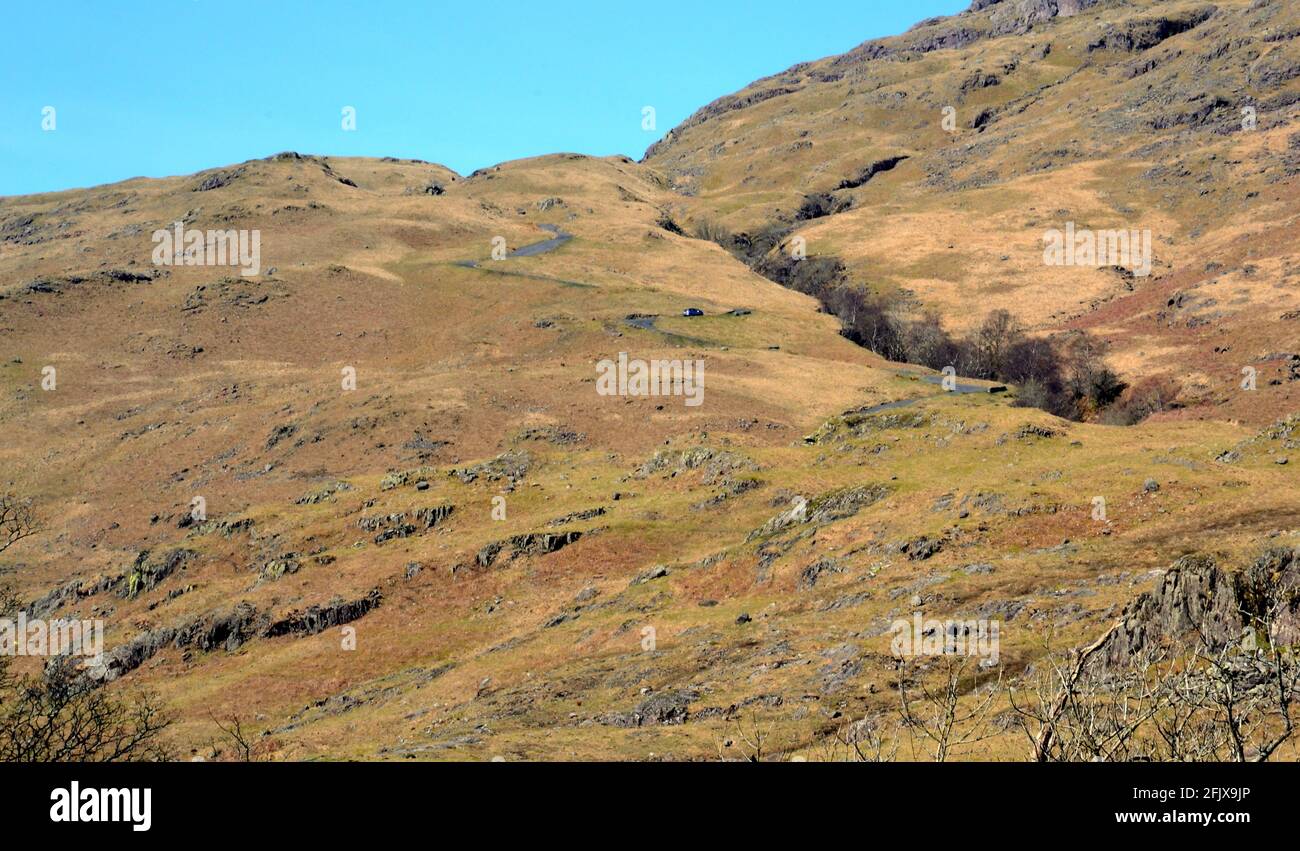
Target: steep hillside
(423, 530)
(933, 163)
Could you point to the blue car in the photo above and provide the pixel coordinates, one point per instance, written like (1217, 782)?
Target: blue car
(692, 311)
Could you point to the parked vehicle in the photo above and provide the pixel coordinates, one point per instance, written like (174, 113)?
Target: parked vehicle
(692, 311)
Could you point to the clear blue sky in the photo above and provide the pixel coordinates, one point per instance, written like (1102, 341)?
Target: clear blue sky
(160, 88)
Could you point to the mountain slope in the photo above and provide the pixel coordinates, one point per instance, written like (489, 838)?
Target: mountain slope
(1107, 115)
(473, 553)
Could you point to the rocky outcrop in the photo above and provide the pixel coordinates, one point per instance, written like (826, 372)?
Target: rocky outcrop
(575, 516)
(143, 575)
(825, 508)
(398, 525)
(1139, 34)
(1004, 17)
(810, 575)
(715, 464)
(218, 179)
(508, 465)
(56, 598)
(58, 284)
(821, 204)
(665, 708)
(205, 632)
(529, 544)
(877, 167)
(317, 619)
(146, 575)
(227, 630)
(1012, 17)
(1198, 603)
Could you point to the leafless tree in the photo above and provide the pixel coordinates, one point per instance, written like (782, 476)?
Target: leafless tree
(1248, 690)
(62, 717)
(938, 714)
(864, 740)
(752, 742)
(17, 520)
(709, 229)
(991, 343)
(1203, 699)
(233, 731)
(1072, 709)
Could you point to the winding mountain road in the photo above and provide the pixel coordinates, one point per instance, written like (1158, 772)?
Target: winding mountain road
(532, 249)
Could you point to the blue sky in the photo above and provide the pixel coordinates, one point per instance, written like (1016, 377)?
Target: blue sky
(147, 88)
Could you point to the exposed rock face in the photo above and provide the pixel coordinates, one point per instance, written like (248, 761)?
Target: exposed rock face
(878, 167)
(670, 707)
(1141, 34)
(1199, 599)
(826, 508)
(218, 179)
(532, 543)
(70, 592)
(390, 526)
(127, 657)
(144, 575)
(205, 632)
(320, 618)
(228, 630)
(1020, 16)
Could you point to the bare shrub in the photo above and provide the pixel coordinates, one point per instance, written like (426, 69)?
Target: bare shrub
(936, 714)
(707, 228)
(17, 520)
(1195, 704)
(232, 732)
(62, 717)
(864, 740)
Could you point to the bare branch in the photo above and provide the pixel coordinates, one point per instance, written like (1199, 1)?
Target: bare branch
(17, 520)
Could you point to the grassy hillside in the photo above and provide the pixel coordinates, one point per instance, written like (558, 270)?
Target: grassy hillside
(623, 577)
(1173, 117)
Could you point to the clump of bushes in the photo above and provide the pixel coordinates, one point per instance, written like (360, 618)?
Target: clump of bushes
(706, 228)
(1147, 397)
(1066, 375)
